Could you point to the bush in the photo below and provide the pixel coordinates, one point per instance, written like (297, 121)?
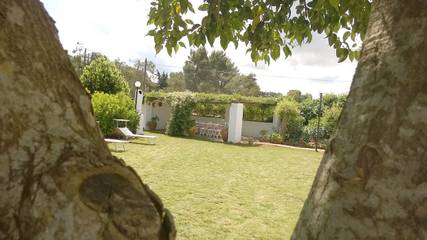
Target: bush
(276, 138)
(102, 76)
(327, 125)
(264, 136)
(182, 105)
(291, 120)
(329, 120)
(110, 106)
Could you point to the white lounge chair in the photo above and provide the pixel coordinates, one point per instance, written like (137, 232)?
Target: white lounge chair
(116, 142)
(128, 134)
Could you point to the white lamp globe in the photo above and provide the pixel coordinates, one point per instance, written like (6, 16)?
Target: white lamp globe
(137, 84)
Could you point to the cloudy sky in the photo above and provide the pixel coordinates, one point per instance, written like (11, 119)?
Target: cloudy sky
(118, 29)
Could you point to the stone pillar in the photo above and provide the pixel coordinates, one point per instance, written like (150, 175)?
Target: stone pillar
(139, 109)
(276, 123)
(235, 122)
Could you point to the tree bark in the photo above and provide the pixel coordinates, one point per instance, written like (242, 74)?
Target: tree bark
(372, 182)
(58, 180)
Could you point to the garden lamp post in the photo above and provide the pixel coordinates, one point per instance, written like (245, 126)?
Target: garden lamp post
(137, 86)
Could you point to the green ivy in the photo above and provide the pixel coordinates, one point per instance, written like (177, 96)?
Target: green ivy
(210, 110)
(258, 112)
(212, 98)
(182, 104)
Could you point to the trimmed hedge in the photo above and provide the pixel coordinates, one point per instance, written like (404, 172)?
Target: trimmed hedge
(110, 106)
(212, 98)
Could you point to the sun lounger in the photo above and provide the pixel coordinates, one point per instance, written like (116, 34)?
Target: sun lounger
(128, 134)
(116, 142)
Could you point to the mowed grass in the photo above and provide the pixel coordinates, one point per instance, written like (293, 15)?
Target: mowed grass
(224, 191)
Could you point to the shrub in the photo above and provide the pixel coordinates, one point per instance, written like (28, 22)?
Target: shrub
(102, 76)
(329, 120)
(311, 129)
(327, 125)
(110, 106)
(181, 113)
(264, 136)
(276, 138)
(292, 121)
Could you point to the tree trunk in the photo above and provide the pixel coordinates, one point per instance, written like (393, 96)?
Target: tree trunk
(372, 182)
(58, 179)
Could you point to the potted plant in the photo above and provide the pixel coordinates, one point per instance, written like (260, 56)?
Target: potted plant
(192, 131)
(152, 125)
(191, 128)
(224, 134)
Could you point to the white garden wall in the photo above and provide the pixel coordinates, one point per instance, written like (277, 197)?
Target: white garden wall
(253, 129)
(163, 113)
(209, 120)
(249, 128)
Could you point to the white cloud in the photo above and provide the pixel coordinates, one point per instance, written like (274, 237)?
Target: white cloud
(118, 29)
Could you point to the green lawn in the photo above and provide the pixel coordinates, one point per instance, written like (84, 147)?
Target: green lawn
(223, 191)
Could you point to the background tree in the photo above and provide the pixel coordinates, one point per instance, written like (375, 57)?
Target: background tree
(135, 72)
(148, 82)
(81, 57)
(208, 73)
(216, 73)
(58, 178)
(197, 72)
(295, 95)
(176, 82)
(271, 94)
(103, 76)
(309, 109)
(330, 99)
(243, 84)
(370, 181)
(162, 80)
(223, 70)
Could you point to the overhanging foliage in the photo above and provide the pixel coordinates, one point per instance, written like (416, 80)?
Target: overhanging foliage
(212, 98)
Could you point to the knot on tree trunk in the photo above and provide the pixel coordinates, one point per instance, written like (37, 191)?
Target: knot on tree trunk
(128, 212)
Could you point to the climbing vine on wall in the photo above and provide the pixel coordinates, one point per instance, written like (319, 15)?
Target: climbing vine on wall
(212, 98)
(182, 104)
